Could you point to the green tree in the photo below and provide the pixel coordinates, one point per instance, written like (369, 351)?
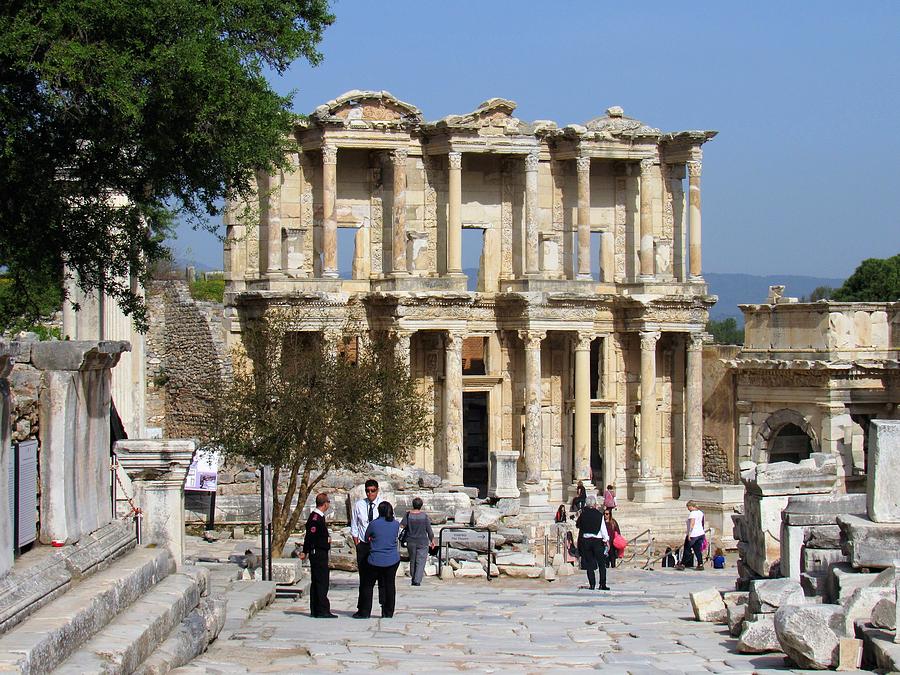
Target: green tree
(300, 407)
(819, 293)
(875, 280)
(115, 114)
(725, 332)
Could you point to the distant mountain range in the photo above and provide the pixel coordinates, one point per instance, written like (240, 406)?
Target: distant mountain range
(748, 289)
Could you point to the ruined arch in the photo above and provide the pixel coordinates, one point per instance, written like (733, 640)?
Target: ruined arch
(779, 438)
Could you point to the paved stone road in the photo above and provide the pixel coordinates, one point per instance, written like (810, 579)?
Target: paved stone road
(644, 625)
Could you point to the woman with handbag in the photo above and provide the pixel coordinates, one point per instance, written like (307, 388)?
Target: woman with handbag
(593, 543)
(384, 558)
(617, 541)
(695, 541)
(418, 537)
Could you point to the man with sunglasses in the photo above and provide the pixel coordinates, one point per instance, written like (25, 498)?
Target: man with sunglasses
(316, 545)
(364, 512)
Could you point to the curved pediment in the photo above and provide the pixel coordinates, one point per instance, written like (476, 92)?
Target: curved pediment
(357, 106)
(615, 123)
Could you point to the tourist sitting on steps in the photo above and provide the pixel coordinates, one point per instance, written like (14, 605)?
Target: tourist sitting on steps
(695, 541)
(560, 514)
(668, 559)
(593, 543)
(580, 496)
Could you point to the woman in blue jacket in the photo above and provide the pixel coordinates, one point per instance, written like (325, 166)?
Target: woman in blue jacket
(384, 557)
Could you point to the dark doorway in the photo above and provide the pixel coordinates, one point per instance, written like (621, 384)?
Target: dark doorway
(791, 444)
(598, 421)
(475, 441)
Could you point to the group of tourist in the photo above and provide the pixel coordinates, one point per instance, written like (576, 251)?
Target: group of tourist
(375, 533)
(600, 541)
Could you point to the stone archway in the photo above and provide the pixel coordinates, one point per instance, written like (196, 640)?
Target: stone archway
(785, 436)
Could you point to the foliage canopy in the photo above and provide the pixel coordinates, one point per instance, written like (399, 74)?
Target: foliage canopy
(875, 280)
(114, 114)
(725, 332)
(302, 407)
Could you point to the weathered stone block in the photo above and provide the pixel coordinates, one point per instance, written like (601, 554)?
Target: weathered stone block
(884, 614)
(843, 580)
(758, 635)
(810, 634)
(850, 653)
(709, 606)
(286, 570)
(883, 471)
(736, 614)
(767, 595)
(823, 536)
(861, 603)
(867, 543)
(515, 558)
(818, 560)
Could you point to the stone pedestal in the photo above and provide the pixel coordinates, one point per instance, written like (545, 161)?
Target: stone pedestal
(883, 479)
(649, 490)
(504, 474)
(534, 500)
(74, 461)
(158, 469)
(6, 530)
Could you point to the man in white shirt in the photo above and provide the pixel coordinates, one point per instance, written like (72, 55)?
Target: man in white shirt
(364, 512)
(695, 539)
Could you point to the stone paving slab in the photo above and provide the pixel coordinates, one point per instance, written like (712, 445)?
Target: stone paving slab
(644, 625)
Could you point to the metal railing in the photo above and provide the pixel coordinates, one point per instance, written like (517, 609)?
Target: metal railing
(647, 553)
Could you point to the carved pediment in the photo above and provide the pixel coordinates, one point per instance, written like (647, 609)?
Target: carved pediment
(495, 114)
(615, 123)
(366, 107)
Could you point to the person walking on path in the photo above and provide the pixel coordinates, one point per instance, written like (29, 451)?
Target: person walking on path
(609, 498)
(364, 512)
(695, 539)
(419, 537)
(593, 542)
(612, 528)
(384, 559)
(316, 545)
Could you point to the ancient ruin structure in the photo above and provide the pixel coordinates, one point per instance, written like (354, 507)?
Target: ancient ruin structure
(577, 354)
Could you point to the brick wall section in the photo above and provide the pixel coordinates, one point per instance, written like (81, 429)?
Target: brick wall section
(185, 351)
(715, 462)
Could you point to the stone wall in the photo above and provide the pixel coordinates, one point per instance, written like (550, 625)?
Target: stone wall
(718, 402)
(185, 352)
(716, 468)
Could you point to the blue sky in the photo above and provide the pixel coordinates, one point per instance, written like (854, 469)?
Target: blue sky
(803, 177)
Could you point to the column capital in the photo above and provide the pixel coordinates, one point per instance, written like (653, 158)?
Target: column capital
(647, 165)
(455, 159)
(695, 342)
(583, 164)
(532, 159)
(695, 168)
(332, 336)
(583, 340)
(329, 153)
(399, 155)
(454, 340)
(532, 338)
(649, 338)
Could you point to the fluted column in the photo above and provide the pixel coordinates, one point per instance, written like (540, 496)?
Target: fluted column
(398, 224)
(649, 441)
(694, 169)
(533, 436)
(454, 213)
(582, 468)
(531, 213)
(694, 409)
(329, 212)
(273, 238)
(646, 217)
(453, 405)
(583, 169)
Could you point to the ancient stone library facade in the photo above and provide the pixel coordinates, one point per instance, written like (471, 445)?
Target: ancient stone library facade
(576, 354)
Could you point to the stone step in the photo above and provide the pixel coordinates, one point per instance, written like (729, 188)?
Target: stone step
(129, 639)
(54, 632)
(245, 599)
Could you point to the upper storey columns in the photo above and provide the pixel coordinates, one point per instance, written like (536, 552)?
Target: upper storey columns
(532, 267)
(398, 242)
(454, 214)
(646, 217)
(329, 211)
(583, 170)
(694, 168)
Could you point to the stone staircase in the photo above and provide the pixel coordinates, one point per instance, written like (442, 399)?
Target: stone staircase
(133, 613)
(665, 520)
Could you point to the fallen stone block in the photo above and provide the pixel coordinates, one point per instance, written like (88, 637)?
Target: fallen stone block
(447, 573)
(767, 595)
(884, 614)
(883, 469)
(810, 634)
(823, 536)
(548, 573)
(818, 560)
(867, 543)
(470, 570)
(512, 535)
(850, 653)
(709, 606)
(342, 561)
(758, 635)
(286, 570)
(515, 558)
(520, 572)
(430, 569)
(842, 580)
(880, 649)
(508, 506)
(565, 570)
(861, 603)
(736, 614)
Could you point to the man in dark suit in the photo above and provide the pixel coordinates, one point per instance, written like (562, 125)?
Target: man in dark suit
(316, 545)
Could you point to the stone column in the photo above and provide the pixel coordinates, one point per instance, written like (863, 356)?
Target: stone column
(453, 403)
(646, 217)
(648, 487)
(273, 217)
(607, 257)
(158, 469)
(402, 347)
(329, 211)
(6, 529)
(582, 468)
(533, 437)
(583, 166)
(694, 169)
(398, 223)
(454, 213)
(693, 472)
(531, 213)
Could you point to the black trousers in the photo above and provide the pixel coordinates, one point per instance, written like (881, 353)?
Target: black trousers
(386, 578)
(593, 561)
(318, 584)
(366, 575)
